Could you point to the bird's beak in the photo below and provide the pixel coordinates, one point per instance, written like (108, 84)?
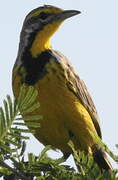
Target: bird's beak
(67, 14)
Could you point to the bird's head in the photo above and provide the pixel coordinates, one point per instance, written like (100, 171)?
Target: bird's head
(40, 24)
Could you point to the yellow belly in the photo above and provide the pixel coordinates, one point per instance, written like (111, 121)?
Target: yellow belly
(62, 114)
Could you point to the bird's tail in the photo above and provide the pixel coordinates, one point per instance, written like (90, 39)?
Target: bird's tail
(101, 159)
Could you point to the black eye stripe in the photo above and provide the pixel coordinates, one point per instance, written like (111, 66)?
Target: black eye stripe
(41, 16)
(44, 15)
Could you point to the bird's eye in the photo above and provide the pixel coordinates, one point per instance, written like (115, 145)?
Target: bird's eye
(43, 15)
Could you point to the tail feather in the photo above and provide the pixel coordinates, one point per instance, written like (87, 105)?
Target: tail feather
(101, 159)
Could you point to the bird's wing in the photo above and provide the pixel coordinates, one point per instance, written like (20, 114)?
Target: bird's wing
(78, 87)
(88, 103)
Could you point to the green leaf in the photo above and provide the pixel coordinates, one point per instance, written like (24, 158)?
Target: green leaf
(6, 112)
(30, 98)
(10, 108)
(31, 158)
(22, 130)
(3, 118)
(20, 124)
(29, 118)
(14, 135)
(28, 91)
(2, 123)
(5, 147)
(29, 124)
(31, 109)
(11, 142)
(5, 171)
(21, 95)
(43, 152)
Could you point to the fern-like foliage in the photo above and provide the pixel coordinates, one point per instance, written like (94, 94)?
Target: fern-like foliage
(12, 127)
(42, 167)
(88, 169)
(10, 117)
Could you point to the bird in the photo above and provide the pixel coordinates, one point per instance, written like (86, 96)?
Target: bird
(66, 106)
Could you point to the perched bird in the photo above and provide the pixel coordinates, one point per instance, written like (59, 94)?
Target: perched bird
(65, 104)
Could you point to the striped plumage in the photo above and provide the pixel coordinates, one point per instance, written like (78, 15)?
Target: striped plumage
(67, 108)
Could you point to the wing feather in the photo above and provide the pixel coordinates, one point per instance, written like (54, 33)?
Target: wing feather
(78, 87)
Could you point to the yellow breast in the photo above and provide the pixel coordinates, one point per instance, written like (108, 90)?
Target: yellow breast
(62, 112)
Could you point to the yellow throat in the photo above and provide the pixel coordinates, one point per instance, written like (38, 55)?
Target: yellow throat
(42, 39)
